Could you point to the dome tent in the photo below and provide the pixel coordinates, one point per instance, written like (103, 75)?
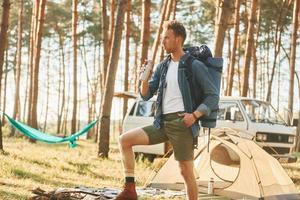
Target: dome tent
(238, 166)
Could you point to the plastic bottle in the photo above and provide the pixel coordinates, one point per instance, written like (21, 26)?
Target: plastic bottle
(147, 69)
(210, 187)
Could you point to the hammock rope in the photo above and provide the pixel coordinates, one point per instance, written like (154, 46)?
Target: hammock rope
(48, 138)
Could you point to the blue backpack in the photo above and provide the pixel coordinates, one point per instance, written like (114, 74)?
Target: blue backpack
(215, 67)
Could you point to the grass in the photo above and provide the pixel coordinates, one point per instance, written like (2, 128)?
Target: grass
(25, 166)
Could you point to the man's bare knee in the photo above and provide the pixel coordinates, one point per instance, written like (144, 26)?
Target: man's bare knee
(133, 137)
(124, 141)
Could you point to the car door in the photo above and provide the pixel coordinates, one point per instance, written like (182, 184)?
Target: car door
(230, 115)
(141, 114)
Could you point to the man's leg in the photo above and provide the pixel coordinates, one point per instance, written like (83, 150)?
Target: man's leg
(187, 171)
(126, 142)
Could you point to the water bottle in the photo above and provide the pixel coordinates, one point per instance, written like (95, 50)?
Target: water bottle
(147, 69)
(210, 187)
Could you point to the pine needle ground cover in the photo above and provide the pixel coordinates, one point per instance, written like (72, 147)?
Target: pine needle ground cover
(25, 166)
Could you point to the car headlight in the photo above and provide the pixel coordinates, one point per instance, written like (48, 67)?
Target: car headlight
(261, 137)
(291, 139)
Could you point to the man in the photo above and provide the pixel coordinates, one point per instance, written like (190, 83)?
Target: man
(176, 117)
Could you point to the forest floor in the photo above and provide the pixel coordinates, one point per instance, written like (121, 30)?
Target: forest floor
(25, 166)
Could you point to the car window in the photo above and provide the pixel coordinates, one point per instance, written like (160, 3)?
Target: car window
(145, 108)
(231, 109)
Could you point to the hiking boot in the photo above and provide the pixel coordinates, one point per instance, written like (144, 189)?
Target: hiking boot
(128, 192)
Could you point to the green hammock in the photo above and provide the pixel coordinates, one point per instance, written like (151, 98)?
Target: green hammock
(44, 137)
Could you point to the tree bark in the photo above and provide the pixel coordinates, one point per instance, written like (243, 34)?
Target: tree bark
(174, 9)
(94, 87)
(223, 14)
(126, 81)
(248, 51)
(293, 57)
(254, 51)
(105, 38)
(166, 18)
(233, 52)
(32, 52)
(103, 142)
(16, 112)
(136, 75)
(3, 33)
(3, 41)
(5, 83)
(74, 38)
(159, 30)
(36, 62)
(297, 142)
(145, 30)
(48, 89)
(111, 24)
(278, 32)
(63, 76)
(239, 66)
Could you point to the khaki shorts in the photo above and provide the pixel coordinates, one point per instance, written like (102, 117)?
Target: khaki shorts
(173, 130)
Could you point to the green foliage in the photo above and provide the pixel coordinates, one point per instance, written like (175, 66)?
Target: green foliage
(199, 24)
(58, 19)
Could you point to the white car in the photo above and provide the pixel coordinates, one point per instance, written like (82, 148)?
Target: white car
(256, 119)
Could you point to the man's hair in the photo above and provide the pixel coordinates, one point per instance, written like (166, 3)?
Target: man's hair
(177, 28)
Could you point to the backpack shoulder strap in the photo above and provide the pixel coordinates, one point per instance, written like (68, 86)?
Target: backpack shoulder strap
(189, 74)
(188, 61)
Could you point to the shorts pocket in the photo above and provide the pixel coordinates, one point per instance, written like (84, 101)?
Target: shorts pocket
(180, 121)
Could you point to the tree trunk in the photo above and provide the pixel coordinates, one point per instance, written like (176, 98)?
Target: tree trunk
(48, 88)
(103, 142)
(63, 77)
(233, 52)
(293, 57)
(254, 51)
(145, 30)
(3, 41)
(136, 75)
(105, 38)
(278, 32)
(3, 33)
(166, 18)
(25, 106)
(239, 66)
(298, 133)
(249, 46)
(89, 86)
(126, 81)
(169, 9)
(65, 122)
(59, 88)
(174, 9)
(36, 62)
(16, 112)
(223, 14)
(159, 30)
(74, 38)
(94, 87)
(5, 83)
(33, 33)
(111, 24)
(297, 142)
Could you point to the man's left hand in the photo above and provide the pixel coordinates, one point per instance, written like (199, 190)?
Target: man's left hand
(188, 119)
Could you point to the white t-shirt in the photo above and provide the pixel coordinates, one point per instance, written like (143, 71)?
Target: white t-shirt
(172, 101)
